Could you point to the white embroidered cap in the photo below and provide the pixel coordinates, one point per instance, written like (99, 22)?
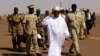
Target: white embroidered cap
(57, 8)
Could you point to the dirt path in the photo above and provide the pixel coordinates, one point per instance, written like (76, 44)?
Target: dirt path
(88, 47)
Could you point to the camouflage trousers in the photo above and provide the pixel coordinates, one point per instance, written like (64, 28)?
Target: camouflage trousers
(75, 40)
(16, 32)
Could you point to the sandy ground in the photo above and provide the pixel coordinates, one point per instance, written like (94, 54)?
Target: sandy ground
(88, 47)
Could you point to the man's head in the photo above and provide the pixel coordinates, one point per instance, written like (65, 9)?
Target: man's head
(15, 10)
(88, 10)
(47, 12)
(31, 9)
(66, 11)
(38, 11)
(74, 7)
(56, 11)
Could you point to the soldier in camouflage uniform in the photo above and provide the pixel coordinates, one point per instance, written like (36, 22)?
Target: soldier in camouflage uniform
(40, 29)
(83, 33)
(9, 23)
(75, 23)
(30, 29)
(16, 26)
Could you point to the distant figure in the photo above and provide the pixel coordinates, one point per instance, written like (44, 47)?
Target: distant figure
(93, 18)
(57, 31)
(0, 19)
(47, 13)
(88, 21)
(38, 14)
(9, 23)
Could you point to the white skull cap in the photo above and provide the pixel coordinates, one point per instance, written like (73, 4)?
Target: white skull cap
(57, 8)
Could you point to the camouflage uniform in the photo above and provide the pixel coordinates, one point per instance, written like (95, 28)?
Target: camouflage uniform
(17, 29)
(41, 29)
(75, 22)
(83, 33)
(9, 23)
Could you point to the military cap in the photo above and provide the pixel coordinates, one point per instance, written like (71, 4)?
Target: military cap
(30, 6)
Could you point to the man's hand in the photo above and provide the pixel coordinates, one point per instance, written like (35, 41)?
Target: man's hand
(67, 38)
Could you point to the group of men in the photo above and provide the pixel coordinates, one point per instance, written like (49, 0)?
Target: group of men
(19, 25)
(57, 26)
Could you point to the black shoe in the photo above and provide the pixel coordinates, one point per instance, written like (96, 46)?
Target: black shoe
(38, 54)
(71, 52)
(78, 54)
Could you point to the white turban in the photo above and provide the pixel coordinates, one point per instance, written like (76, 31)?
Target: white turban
(57, 8)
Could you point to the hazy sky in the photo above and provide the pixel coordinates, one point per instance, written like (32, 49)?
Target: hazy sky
(6, 6)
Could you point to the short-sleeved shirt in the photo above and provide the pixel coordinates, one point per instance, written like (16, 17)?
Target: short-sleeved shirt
(30, 21)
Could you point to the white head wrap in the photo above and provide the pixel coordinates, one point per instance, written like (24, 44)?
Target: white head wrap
(57, 8)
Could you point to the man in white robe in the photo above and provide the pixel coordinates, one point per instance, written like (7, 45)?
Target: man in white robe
(57, 32)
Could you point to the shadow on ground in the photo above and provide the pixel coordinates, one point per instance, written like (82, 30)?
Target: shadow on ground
(65, 54)
(16, 54)
(14, 50)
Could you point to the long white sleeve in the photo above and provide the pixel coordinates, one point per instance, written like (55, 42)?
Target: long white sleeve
(45, 21)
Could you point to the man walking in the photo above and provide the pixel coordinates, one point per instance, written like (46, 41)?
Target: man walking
(75, 22)
(16, 27)
(57, 31)
(30, 29)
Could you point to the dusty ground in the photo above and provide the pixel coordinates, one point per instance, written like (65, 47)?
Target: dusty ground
(88, 47)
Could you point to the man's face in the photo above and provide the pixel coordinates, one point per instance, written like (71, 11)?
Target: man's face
(87, 10)
(38, 12)
(56, 13)
(47, 12)
(15, 10)
(31, 10)
(74, 7)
